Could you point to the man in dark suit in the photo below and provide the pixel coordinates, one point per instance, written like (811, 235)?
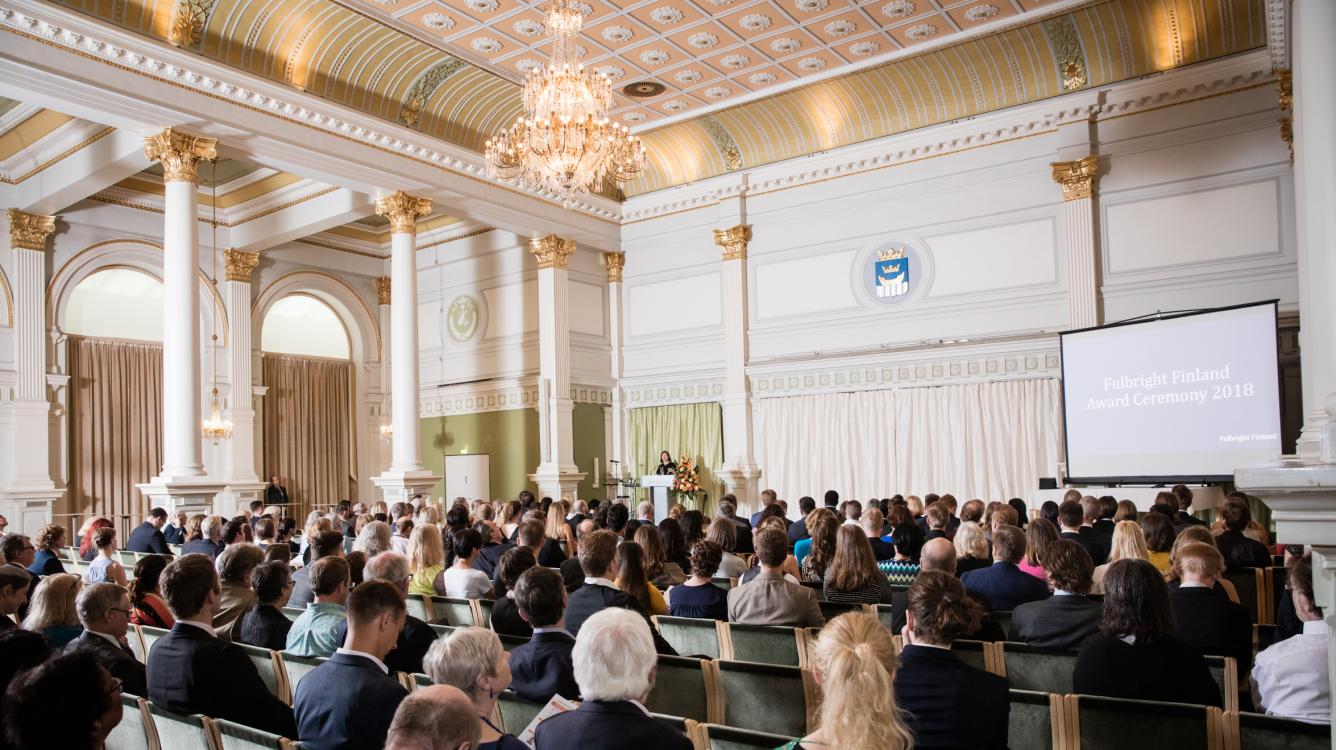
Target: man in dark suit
(952, 520)
(871, 521)
(416, 636)
(1238, 550)
(1064, 620)
(1108, 508)
(147, 537)
(1003, 585)
(598, 551)
(1212, 623)
(175, 532)
(489, 558)
(798, 530)
(1184, 518)
(104, 610)
(544, 666)
(1071, 519)
(190, 671)
(211, 538)
(579, 511)
(275, 493)
(620, 653)
(326, 544)
(933, 686)
(768, 498)
(939, 554)
(350, 700)
(19, 552)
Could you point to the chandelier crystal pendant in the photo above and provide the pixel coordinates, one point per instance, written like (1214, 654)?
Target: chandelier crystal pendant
(215, 427)
(565, 144)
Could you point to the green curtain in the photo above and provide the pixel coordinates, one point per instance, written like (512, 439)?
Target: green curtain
(695, 430)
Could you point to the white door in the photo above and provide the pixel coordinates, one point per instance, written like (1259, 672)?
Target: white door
(468, 476)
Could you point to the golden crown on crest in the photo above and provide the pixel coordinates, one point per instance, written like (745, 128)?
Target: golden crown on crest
(892, 254)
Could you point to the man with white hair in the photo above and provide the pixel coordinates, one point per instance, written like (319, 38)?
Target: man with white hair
(614, 667)
(104, 611)
(645, 512)
(416, 636)
(211, 538)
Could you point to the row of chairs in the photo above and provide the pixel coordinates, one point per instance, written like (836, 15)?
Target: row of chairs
(145, 726)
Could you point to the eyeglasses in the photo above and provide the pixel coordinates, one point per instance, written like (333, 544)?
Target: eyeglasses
(118, 609)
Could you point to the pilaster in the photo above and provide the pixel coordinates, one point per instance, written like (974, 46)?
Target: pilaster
(1077, 179)
(557, 475)
(243, 484)
(615, 417)
(739, 472)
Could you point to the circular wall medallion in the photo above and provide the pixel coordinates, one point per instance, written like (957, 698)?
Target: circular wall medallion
(718, 92)
(482, 6)
(811, 64)
(897, 9)
(676, 105)
(463, 318)
(528, 65)
(982, 12)
(863, 49)
(810, 6)
(892, 273)
(643, 89)
(634, 117)
(687, 77)
(486, 45)
(735, 62)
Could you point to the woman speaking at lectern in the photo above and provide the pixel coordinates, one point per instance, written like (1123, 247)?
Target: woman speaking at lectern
(666, 464)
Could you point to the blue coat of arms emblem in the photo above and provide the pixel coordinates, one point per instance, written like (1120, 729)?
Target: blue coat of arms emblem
(892, 273)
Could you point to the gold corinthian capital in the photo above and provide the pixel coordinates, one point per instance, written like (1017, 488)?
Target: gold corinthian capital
(383, 290)
(551, 251)
(1077, 178)
(180, 153)
(240, 264)
(29, 231)
(614, 263)
(402, 210)
(734, 241)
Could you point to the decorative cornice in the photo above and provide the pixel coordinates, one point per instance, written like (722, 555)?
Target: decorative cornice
(29, 231)
(179, 153)
(1285, 88)
(188, 19)
(72, 150)
(1278, 32)
(552, 251)
(1077, 178)
(240, 264)
(403, 211)
(382, 290)
(734, 241)
(614, 262)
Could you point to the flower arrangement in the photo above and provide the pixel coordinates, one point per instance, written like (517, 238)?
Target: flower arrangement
(687, 482)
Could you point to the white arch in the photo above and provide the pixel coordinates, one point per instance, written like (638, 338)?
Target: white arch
(347, 304)
(8, 307)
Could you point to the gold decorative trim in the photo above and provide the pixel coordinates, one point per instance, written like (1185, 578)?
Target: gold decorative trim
(76, 148)
(455, 238)
(734, 241)
(180, 153)
(382, 290)
(283, 206)
(1287, 134)
(372, 321)
(1077, 178)
(9, 299)
(341, 248)
(188, 19)
(29, 231)
(1066, 42)
(240, 264)
(101, 198)
(551, 251)
(614, 262)
(1285, 88)
(403, 211)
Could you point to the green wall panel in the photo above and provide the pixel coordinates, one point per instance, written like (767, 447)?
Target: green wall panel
(587, 424)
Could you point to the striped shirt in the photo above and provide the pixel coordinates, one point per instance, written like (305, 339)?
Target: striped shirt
(900, 572)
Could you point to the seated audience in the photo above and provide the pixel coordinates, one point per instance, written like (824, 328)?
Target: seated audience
(265, 625)
(543, 667)
(1127, 511)
(1159, 533)
(437, 717)
(1129, 543)
(1184, 518)
(1238, 550)
(634, 580)
(325, 544)
(598, 555)
(146, 602)
(871, 521)
(210, 539)
(316, 631)
(191, 671)
(472, 660)
(1018, 505)
(1201, 534)
(819, 548)
(104, 566)
(798, 529)
(1038, 537)
(557, 532)
(147, 537)
(104, 610)
(728, 508)
(614, 668)
(675, 541)
(1002, 585)
(1135, 654)
(462, 580)
(403, 529)
(19, 650)
(1108, 506)
(1064, 620)
(50, 541)
(69, 702)
(374, 539)
(52, 612)
(769, 599)
(506, 618)
(854, 662)
(416, 636)
(350, 700)
(1290, 678)
(14, 582)
(938, 518)
(698, 596)
(1071, 519)
(853, 576)
(939, 554)
(1203, 619)
(234, 570)
(932, 685)
(724, 533)
(972, 510)
(87, 545)
(904, 566)
(971, 548)
(18, 552)
(1254, 530)
(661, 571)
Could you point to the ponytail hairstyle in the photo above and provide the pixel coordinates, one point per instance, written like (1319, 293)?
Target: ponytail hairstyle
(942, 610)
(856, 659)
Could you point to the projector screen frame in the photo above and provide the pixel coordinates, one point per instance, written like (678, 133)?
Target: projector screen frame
(1156, 317)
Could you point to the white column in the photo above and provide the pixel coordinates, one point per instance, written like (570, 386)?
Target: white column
(383, 424)
(739, 472)
(243, 484)
(1077, 179)
(556, 475)
(27, 494)
(615, 421)
(406, 474)
(182, 483)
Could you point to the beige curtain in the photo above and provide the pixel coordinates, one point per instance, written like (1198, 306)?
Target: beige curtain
(115, 425)
(308, 429)
(695, 430)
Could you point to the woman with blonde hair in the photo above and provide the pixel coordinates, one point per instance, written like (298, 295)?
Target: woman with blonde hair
(1129, 543)
(429, 514)
(1190, 535)
(971, 548)
(557, 529)
(915, 505)
(194, 527)
(52, 612)
(426, 561)
(854, 662)
(658, 569)
(473, 660)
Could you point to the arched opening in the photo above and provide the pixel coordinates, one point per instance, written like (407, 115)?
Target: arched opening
(116, 303)
(304, 325)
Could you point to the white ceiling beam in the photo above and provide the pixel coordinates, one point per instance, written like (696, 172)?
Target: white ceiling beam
(301, 220)
(89, 170)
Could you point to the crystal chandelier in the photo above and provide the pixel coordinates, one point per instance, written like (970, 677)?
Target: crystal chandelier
(215, 427)
(565, 144)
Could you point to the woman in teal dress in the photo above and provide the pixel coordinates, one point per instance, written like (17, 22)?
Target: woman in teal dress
(52, 612)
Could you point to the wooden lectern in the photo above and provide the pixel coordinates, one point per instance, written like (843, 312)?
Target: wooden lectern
(658, 486)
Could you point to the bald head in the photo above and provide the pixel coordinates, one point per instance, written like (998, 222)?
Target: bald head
(439, 717)
(938, 554)
(585, 527)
